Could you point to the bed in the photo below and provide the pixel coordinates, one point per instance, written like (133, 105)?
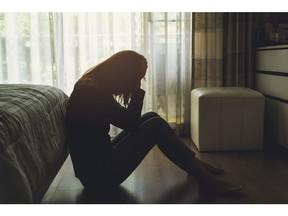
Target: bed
(32, 140)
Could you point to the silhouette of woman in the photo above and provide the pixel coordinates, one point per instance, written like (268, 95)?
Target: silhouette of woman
(100, 161)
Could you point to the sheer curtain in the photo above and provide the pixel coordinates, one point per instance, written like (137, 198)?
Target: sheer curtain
(25, 55)
(57, 48)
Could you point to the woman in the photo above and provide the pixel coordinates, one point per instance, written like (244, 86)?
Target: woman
(100, 161)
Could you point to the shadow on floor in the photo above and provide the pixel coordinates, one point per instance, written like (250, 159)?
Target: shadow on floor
(178, 193)
(118, 195)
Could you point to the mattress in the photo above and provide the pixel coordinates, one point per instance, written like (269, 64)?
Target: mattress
(32, 137)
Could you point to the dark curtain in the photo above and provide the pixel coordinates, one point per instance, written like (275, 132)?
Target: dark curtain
(223, 50)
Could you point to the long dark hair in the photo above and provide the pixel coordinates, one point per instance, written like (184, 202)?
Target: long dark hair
(122, 66)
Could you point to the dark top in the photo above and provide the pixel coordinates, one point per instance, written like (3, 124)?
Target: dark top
(90, 112)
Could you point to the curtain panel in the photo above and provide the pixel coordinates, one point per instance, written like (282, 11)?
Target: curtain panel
(57, 48)
(223, 50)
(239, 50)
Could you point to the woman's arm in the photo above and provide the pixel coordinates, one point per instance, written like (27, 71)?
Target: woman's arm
(127, 118)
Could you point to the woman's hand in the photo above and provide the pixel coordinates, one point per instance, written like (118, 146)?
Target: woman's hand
(142, 70)
(141, 73)
(138, 85)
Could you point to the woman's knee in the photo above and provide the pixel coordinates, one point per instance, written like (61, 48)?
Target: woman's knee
(148, 115)
(154, 123)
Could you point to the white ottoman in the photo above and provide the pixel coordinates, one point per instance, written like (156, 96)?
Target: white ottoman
(227, 119)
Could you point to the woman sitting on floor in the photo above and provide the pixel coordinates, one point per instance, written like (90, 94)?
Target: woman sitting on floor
(100, 161)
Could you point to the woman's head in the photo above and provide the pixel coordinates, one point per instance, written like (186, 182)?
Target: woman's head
(127, 66)
(120, 73)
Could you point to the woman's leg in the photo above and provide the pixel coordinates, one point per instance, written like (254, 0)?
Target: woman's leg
(124, 133)
(149, 115)
(128, 153)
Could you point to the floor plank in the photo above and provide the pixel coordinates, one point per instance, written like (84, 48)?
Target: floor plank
(263, 175)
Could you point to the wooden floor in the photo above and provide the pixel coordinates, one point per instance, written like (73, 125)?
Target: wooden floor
(263, 175)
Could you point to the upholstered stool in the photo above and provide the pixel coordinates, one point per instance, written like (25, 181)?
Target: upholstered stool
(227, 119)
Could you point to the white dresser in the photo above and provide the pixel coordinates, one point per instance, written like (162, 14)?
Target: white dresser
(272, 81)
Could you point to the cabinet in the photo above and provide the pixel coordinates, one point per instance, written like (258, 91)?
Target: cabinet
(272, 81)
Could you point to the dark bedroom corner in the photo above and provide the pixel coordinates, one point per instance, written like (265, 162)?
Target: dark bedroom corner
(219, 79)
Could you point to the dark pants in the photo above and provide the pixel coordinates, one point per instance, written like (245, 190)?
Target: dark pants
(130, 148)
